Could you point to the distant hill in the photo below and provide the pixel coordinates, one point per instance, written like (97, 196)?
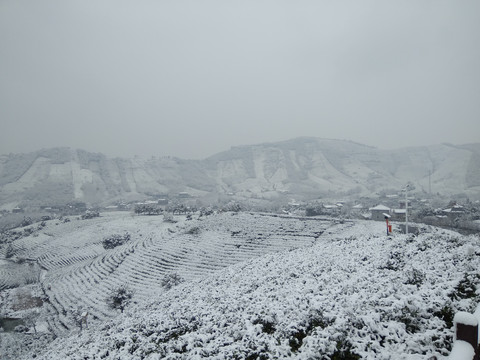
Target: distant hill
(300, 168)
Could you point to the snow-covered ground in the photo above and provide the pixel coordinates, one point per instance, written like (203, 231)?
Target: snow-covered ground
(256, 286)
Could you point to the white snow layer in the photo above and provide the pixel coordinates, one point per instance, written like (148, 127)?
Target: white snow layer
(465, 318)
(462, 350)
(345, 288)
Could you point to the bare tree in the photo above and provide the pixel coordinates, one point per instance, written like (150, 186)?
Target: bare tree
(30, 319)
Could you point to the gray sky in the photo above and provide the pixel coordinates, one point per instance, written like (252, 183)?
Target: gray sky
(192, 78)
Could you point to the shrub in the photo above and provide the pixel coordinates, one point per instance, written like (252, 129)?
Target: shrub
(171, 280)
(147, 209)
(26, 221)
(344, 351)
(119, 298)
(90, 214)
(409, 316)
(446, 313)
(21, 328)
(268, 325)
(206, 211)
(415, 277)
(466, 288)
(315, 319)
(168, 217)
(395, 262)
(232, 206)
(115, 240)
(195, 230)
(10, 251)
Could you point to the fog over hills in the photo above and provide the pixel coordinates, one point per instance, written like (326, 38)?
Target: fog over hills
(298, 168)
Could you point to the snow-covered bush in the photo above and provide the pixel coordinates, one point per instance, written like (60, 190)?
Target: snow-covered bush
(171, 280)
(268, 324)
(90, 214)
(232, 206)
(115, 240)
(194, 230)
(315, 319)
(26, 221)
(446, 313)
(147, 209)
(21, 328)
(466, 288)
(344, 350)
(120, 298)
(168, 217)
(395, 261)
(9, 252)
(415, 277)
(206, 211)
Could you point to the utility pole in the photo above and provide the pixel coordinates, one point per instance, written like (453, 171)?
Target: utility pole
(430, 182)
(406, 209)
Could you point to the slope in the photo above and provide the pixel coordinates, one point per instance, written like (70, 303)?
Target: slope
(347, 290)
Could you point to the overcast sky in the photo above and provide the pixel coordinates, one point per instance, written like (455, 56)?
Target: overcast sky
(193, 78)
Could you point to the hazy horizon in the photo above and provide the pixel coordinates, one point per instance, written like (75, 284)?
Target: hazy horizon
(191, 79)
(113, 155)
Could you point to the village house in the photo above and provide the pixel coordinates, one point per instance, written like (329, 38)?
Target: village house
(399, 214)
(454, 212)
(402, 203)
(379, 212)
(358, 208)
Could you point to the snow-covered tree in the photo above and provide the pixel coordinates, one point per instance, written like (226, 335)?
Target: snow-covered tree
(115, 240)
(119, 298)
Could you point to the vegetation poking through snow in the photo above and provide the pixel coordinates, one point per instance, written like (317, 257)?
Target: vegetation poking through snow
(90, 214)
(194, 230)
(9, 252)
(120, 298)
(415, 277)
(168, 218)
(253, 286)
(147, 209)
(171, 280)
(466, 287)
(115, 240)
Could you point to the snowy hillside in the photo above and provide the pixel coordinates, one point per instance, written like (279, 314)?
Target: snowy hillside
(256, 286)
(301, 167)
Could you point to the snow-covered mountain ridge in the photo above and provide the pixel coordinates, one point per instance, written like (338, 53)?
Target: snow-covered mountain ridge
(300, 167)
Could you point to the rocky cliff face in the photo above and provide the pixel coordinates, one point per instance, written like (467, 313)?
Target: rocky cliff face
(325, 166)
(301, 167)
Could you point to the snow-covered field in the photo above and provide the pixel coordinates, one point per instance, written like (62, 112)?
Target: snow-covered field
(256, 286)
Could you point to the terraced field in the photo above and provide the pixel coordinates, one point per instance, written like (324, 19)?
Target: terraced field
(256, 286)
(13, 274)
(78, 273)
